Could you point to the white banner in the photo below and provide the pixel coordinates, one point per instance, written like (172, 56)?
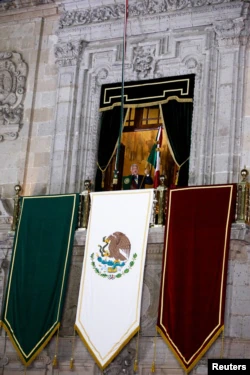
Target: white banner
(109, 303)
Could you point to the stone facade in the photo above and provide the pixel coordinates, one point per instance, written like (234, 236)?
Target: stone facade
(69, 49)
(54, 57)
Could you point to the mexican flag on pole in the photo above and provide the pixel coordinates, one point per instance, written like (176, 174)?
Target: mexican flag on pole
(155, 157)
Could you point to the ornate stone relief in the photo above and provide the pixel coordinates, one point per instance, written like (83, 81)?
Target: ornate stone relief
(7, 5)
(101, 76)
(5, 216)
(229, 31)
(141, 8)
(144, 61)
(193, 65)
(67, 54)
(13, 4)
(13, 75)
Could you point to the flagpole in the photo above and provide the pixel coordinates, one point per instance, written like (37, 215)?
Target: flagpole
(116, 171)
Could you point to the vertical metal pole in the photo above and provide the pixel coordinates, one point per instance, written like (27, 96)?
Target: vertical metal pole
(16, 208)
(116, 171)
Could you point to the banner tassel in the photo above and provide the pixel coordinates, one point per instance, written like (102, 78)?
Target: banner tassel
(71, 364)
(154, 358)
(55, 361)
(135, 366)
(153, 367)
(136, 353)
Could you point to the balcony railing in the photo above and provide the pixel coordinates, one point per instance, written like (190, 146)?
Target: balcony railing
(242, 212)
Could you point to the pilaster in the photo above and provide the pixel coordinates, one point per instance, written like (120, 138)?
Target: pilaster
(230, 48)
(68, 60)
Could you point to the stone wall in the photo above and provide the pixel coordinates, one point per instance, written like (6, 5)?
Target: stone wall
(27, 37)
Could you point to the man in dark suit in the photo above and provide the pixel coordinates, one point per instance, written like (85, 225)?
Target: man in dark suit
(136, 180)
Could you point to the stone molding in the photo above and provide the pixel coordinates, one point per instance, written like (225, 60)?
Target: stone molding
(13, 76)
(141, 8)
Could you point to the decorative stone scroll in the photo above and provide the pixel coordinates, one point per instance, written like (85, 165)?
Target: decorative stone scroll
(67, 54)
(140, 8)
(13, 75)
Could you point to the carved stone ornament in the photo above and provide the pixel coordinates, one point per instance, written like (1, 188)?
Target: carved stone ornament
(5, 215)
(140, 8)
(68, 53)
(232, 32)
(17, 4)
(101, 76)
(144, 61)
(229, 28)
(13, 75)
(191, 63)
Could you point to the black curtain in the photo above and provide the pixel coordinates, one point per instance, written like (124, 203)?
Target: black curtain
(110, 127)
(177, 117)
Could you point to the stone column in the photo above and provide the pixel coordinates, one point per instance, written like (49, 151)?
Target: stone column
(68, 59)
(230, 42)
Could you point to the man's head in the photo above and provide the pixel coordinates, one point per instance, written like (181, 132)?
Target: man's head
(134, 169)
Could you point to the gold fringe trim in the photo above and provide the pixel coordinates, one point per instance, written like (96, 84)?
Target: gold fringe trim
(102, 367)
(41, 347)
(117, 104)
(193, 364)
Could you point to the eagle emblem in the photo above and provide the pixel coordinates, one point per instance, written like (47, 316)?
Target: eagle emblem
(126, 180)
(113, 257)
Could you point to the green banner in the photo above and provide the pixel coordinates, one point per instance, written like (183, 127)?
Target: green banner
(38, 272)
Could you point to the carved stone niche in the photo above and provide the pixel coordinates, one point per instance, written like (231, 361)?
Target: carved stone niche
(13, 75)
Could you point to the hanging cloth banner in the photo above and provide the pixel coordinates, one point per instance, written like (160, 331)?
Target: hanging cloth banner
(193, 286)
(148, 92)
(108, 311)
(39, 271)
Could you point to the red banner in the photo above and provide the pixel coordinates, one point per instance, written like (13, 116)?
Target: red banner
(192, 295)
